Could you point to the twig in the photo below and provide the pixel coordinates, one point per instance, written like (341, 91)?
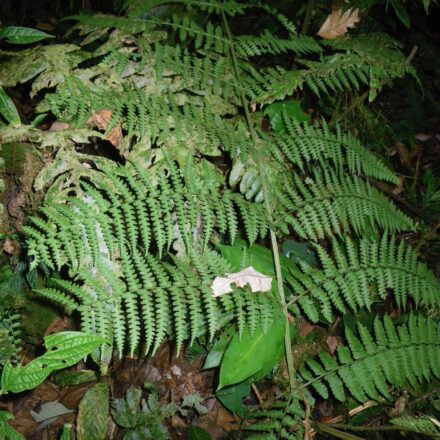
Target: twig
(257, 395)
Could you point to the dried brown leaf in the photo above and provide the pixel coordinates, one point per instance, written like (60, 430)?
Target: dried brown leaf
(337, 24)
(257, 281)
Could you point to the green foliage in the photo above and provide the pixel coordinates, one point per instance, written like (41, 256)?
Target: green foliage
(252, 354)
(141, 418)
(397, 355)
(183, 102)
(8, 109)
(360, 273)
(6, 431)
(22, 35)
(425, 425)
(63, 350)
(283, 419)
(93, 411)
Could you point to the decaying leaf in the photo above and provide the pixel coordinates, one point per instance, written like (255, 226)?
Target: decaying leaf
(101, 120)
(337, 23)
(49, 412)
(256, 280)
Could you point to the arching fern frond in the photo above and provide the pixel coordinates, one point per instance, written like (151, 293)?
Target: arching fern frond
(267, 43)
(157, 299)
(126, 209)
(396, 355)
(365, 59)
(360, 273)
(304, 144)
(283, 418)
(331, 204)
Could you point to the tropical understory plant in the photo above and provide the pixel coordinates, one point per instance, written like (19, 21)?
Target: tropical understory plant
(201, 188)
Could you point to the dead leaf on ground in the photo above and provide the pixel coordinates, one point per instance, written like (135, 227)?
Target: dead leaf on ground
(332, 343)
(256, 280)
(337, 24)
(101, 120)
(11, 247)
(58, 126)
(59, 325)
(305, 328)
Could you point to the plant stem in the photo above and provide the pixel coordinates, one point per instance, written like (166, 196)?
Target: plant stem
(273, 238)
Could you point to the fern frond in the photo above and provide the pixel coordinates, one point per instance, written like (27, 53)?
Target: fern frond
(284, 419)
(267, 43)
(305, 144)
(10, 335)
(331, 204)
(424, 425)
(360, 273)
(393, 356)
(162, 299)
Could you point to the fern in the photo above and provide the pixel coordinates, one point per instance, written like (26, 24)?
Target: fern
(338, 72)
(10, 335)
(395, 356)
(157, 299)
(305, 144)
(281, 420)
(424, 425)
(360, 273)
(124, 210)
(329, 204)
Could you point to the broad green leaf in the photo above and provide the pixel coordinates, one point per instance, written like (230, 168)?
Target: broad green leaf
(68, 378)
(63, 350)
(196, 433)
(218, 349)
(232, 397)
(6, 431)
(400, 11)
(278, 111)
(8, 109)
(93, 412)
(296, 251)
(22, 35)
(260, 258)
(252, 354)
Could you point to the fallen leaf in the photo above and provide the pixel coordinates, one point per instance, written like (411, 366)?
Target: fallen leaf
(11, 247)
(332, 343)
(49, 412)
(305, 328)
(337, 24)
(101, 120)
(58, 126)
(256, 280)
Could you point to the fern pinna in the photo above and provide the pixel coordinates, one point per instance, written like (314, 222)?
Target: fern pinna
(395, 356)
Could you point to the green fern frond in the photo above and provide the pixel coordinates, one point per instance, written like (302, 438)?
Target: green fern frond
(394, 356)
(10, 335)
(331, 204)
(304, 144)
(424, 425)
(282, 419)
(360, 273)
(335, 73)
(267, 43)
(159, 299)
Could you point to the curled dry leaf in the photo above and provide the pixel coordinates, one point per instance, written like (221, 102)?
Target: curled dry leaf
(337, 23)
(101, 120)
(256, 280)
